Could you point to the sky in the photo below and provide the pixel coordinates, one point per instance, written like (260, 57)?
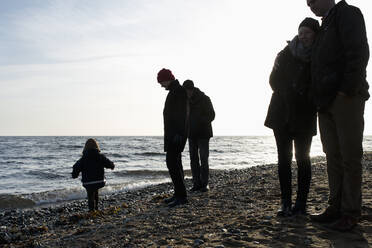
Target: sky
(88, 67)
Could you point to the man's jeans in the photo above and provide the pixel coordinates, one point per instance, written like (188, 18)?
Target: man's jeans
(199, 167)
(341, 129)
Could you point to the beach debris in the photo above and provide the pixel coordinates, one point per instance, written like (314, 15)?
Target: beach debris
(13, 201)
(159, 197)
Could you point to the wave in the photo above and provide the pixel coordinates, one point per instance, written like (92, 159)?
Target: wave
(13, 162)
(149, 154)
(44, 158)
(76, 193)
(70, 147)
(116, 155)
(15, 157)
(216, 151)
(44, 175)
(140, 173)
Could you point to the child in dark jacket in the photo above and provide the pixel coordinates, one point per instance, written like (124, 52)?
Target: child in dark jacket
(91, 165)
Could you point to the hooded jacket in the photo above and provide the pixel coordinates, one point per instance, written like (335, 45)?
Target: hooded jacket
(340, 56)
(174, 115)
(92, 165)
(201, 115)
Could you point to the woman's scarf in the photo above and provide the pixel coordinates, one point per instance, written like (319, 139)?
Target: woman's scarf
(298, 50)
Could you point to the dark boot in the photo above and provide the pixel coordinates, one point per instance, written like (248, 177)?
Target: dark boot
(178, 201)
(196, 187)
(284, 209)
(169, 200)
(299, 208)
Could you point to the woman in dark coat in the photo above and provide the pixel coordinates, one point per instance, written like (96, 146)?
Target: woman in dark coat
(292, 116)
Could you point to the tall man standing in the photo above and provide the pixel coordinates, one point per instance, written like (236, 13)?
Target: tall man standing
(200, 114)
(339, 60)
(174, 115)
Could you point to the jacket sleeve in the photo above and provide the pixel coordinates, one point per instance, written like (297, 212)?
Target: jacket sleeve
(352, 33)
(107, 163)
(209, 110)
(76, 169)
(276, 75)
(176, 114)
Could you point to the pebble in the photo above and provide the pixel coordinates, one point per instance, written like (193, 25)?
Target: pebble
(198, 242)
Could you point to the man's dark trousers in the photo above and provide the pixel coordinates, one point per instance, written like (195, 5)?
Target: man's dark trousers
(199, 154)
(174, 164)
(341, 128)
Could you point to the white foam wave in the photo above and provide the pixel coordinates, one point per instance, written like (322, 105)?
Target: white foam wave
(77, 193)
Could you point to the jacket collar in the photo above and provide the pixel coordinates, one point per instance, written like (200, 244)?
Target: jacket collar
(334, 9)
(174, 84)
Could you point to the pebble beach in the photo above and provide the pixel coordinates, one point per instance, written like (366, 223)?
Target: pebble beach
(238, 211)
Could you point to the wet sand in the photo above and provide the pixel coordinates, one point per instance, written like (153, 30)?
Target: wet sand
(238, 211)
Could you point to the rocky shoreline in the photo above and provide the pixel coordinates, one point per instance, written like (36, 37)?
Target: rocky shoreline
(238, 211)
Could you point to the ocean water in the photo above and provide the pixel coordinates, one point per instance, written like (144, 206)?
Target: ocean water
(39, 168)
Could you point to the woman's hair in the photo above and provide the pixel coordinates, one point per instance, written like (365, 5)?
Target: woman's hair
(91, 144)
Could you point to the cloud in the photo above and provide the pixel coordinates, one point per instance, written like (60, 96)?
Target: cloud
(77, 30)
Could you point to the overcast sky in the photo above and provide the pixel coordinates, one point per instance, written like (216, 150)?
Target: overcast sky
(88, 67)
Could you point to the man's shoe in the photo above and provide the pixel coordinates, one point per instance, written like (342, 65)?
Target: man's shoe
(195, 188)
(344, 224)
(169, 200)
(327, 216)
(178, 201)
(204, 189)
(284, 211)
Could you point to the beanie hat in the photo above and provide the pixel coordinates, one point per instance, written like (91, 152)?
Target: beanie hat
(188, 84)
(310, 23)
(91, 144)
(165, 75)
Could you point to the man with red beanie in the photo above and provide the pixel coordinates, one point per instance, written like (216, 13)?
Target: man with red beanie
(174, 115)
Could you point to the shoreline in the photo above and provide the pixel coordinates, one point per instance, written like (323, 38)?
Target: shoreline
(238, 211)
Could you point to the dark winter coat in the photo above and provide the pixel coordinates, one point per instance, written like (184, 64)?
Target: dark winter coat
(340, 56)
(201, 115)
(174, 115)
(291, 108)
(92, 165)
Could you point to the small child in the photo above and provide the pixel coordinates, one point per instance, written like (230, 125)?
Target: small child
(91, 165)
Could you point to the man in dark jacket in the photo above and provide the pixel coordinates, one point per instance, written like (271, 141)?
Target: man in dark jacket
(200, 114)
(174, 115)
(340, 89)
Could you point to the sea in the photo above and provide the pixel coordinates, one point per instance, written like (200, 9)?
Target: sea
(39, 168)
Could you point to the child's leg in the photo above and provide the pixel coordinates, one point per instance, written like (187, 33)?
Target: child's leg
(96, 199)
(91, 199)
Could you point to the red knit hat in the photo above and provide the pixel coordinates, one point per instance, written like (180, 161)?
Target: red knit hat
(165, 75)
